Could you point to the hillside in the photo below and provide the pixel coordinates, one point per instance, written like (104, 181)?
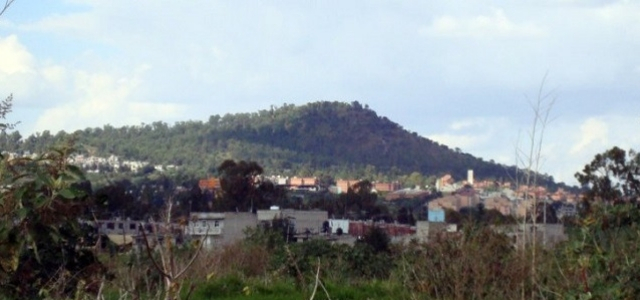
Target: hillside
(334, 138)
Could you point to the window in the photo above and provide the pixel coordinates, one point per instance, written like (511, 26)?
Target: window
(132, 226)
(216, 224)
(120, 225)
(110, 225)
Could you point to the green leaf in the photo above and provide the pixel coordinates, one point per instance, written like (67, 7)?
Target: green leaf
(55, 234)
(21, 213)
(75, 172)
(43, 180)
(69, 193)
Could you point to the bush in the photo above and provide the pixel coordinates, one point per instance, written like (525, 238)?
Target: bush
(476, 263)
(601, 259)
(229, 285)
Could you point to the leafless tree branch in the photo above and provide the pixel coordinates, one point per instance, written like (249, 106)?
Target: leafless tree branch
(7, 3)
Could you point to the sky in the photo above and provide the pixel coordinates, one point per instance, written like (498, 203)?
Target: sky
(463, 73)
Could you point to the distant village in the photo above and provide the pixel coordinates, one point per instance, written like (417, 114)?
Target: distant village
(448, 194)
(508, 198)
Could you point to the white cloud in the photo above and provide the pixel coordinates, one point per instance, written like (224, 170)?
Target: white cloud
(619, 12)
(15, 57)
(593, 132)
(18, 74)
(79, 25)
(472, 133)
(102, 98)
(55, 74)
(495, 25)
(461, 124)
(463, 141)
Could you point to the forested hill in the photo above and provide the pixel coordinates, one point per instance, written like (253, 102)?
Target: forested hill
(339, 139)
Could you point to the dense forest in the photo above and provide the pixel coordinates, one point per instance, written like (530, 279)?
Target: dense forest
(342, 140)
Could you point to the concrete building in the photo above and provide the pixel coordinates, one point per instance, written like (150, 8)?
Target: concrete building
(436, 215)
(426, 230)
(206, 227)
(386, 186)
(342, 224)
(304, 220)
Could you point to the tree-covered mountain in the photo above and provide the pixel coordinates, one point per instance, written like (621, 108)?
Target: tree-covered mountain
(332, 138)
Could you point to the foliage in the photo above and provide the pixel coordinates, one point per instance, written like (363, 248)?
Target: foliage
(601, 258)
(5, 109)
(45, 250)
(271, 234)
(359, 202)
(242, 189)
(234, 287)
(612, 176)
(475, 264)
(377, 239)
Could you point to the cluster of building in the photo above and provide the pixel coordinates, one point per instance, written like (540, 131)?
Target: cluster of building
(507, 198)
(225, 228)
(210, 227)
(217, 229)
(311, 184)
(97, 164)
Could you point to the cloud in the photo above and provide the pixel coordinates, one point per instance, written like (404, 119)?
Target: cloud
(102, 98)
(80, 25)
(472, 133)
(593, 131)
(17, 67)
(495, 25)
(15, 57)
(463, 141)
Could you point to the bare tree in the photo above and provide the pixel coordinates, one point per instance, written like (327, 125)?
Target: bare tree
(166, 248)
(531, 160)
(7, 3)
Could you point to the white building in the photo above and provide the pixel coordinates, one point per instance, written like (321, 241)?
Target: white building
(205, 226)
(342, 224)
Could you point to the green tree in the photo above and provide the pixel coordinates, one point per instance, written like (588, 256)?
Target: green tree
(359, 201)
(612, 176)
(599, 260)
(44, 249)
(242, 188)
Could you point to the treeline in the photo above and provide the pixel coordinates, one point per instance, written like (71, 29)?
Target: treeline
(323, 138)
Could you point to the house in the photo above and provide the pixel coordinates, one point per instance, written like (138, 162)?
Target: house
(436, 215)
(209, 184)
(407, 194)
(128, 233)
(544, 234)
(360, 228)
(565, 209)
(335, 224)
(304, 220)
(205, 226)
(344, 185)
(385, 187)
(499, 203)
(217, 229)
(453, 202)
(426, 230)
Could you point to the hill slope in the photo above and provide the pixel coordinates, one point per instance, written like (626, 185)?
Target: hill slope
(341, 139)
